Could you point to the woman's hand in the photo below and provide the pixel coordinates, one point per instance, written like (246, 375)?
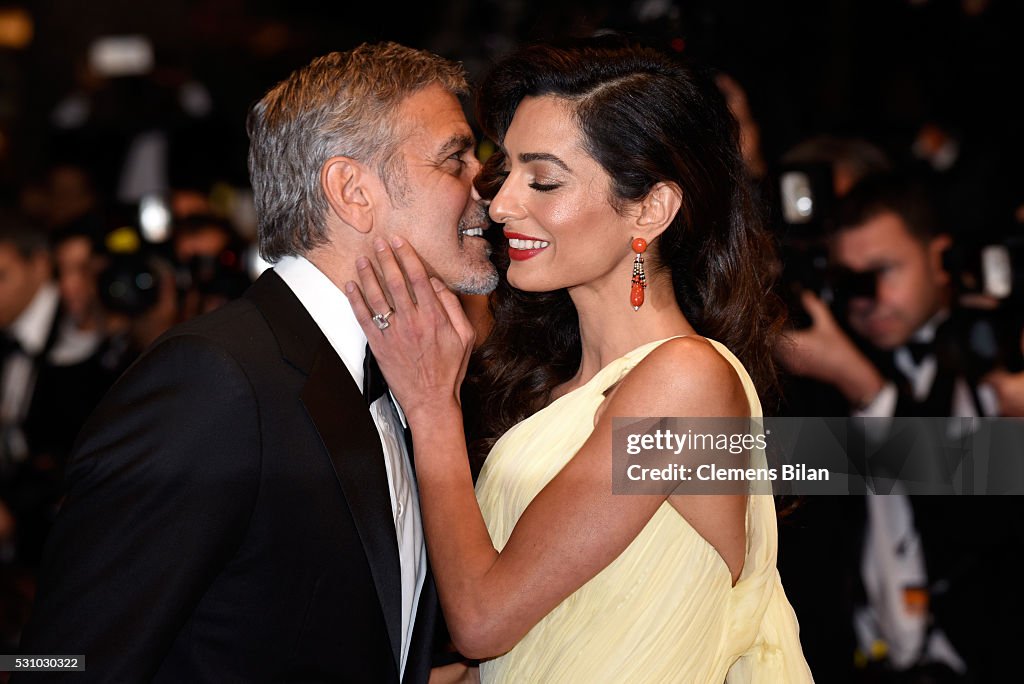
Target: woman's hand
(424, 347)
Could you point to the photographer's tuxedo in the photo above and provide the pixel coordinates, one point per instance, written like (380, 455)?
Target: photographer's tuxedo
(229, 519)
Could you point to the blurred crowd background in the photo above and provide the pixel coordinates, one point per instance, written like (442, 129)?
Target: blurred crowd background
(124, 209)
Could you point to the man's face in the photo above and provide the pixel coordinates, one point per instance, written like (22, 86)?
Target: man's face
(76, 276)
(433, 203)
(911, 284)
(20, 279)
(208, 241)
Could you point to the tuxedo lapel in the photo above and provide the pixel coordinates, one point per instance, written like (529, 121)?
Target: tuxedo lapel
(343, 421)
(339, 413)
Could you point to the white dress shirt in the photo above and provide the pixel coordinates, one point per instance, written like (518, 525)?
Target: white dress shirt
(329, 308)
(893, 556)
(921, 376)
(30, 329)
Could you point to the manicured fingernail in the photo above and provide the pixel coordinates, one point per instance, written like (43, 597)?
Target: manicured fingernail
(379, 245)
(362, 262)
(397, 242)
(350, 287)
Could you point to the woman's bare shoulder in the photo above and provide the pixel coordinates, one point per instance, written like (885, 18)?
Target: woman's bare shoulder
(685, 376)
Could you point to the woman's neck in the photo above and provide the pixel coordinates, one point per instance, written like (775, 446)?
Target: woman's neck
(610, 328)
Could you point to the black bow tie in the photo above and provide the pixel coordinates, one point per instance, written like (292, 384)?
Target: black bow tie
(919, 351)
(374, 384)
(375, 387)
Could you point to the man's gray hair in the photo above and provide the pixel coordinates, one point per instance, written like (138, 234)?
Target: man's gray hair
(341, 104)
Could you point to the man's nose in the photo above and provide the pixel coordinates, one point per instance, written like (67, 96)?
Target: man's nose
(474, 167)
(861, 305)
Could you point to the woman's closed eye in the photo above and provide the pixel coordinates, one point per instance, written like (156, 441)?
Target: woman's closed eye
(544, 187)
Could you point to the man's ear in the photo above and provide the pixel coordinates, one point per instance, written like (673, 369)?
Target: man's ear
(937, 247)
(658, 210)
(349, 188)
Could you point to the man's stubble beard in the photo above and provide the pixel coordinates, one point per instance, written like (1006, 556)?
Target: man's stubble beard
(480, 278)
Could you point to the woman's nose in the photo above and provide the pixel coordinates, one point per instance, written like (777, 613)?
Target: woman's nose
(505, 206)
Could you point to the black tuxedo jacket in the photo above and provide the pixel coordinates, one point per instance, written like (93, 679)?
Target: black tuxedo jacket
(228, 517)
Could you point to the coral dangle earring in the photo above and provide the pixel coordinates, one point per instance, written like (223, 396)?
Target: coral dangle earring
(639, 281)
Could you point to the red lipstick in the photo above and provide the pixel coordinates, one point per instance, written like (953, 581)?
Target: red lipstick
(517, 254)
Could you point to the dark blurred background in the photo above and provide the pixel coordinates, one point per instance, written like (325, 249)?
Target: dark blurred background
(880, 68)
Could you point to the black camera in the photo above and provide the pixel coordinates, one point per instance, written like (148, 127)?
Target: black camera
(846, 285)
(805, 199)
(130, 283)
(994, 270)
(134, 264)
(988, 281)
(221, 274)
(210, 257)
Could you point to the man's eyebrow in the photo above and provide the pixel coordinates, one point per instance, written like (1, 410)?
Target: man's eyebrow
(880, 261)
(527, 157)
(456, 143)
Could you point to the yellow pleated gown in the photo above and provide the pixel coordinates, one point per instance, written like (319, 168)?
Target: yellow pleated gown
(665, 610)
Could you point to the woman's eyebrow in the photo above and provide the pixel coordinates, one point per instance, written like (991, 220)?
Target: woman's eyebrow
(527, 157)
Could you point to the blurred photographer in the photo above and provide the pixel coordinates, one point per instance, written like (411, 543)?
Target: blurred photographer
(75, 258)
(137, 294)
(892, 284)
(928, 604)
(813, 176)
(210, 259)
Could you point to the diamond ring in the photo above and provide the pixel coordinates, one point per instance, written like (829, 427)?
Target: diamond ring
(381, 319)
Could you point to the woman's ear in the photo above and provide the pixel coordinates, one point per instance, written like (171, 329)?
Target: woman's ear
(349, 189)
(658, 209)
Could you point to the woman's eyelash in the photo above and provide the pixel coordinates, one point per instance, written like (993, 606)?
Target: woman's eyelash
(543, 187)
(502, 176)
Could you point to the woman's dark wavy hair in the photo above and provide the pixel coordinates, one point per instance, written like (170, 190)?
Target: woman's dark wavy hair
(646, 118)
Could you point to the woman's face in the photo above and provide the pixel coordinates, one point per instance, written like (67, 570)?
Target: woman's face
(554, 204)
